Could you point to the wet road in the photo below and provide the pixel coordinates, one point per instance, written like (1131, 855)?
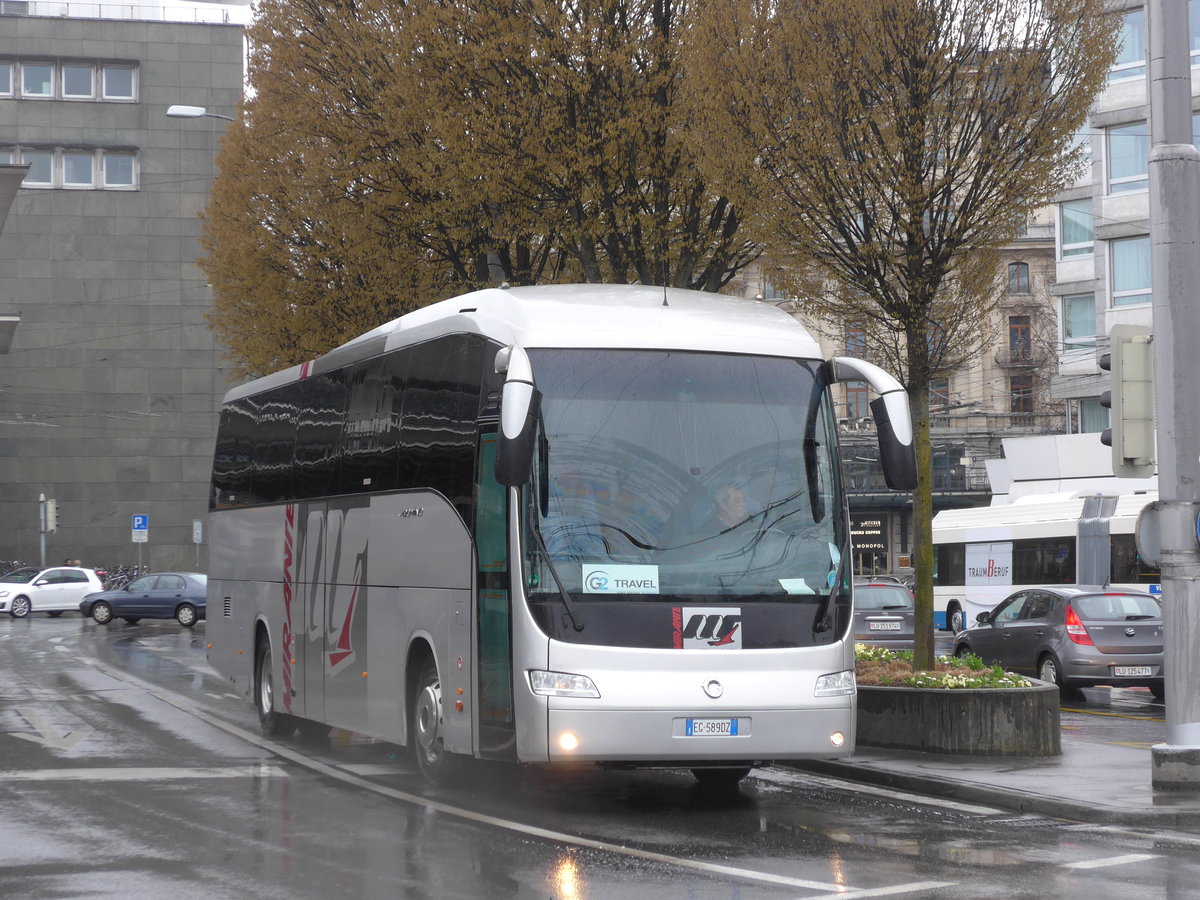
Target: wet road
(127, 770)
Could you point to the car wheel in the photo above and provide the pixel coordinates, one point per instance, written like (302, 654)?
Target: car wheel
(1048, 671)
(102, 612)
(957, 619)
(272, 722)
(21, 607)
(186, 615)
(962, 650)
(428, 728)
(54, 614)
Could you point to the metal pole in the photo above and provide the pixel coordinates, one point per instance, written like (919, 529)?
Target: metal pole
(1175, 272)
(42, 528)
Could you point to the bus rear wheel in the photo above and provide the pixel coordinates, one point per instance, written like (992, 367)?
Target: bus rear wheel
(957, 620)
(437, 765)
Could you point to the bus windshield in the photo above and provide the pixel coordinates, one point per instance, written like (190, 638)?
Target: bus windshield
(681, 476)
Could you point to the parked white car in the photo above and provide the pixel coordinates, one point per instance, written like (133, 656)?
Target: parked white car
(52, 591)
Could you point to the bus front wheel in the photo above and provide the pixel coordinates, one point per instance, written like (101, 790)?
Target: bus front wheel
(428, 727)
(272, 722)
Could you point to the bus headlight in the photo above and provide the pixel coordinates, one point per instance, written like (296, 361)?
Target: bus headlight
(837, 684)
(561, 684)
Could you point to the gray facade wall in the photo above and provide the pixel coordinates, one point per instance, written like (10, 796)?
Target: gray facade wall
(110, 392)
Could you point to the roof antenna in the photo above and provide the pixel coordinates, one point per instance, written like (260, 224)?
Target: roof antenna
(664, 280)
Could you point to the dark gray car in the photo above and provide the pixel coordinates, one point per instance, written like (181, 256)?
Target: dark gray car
(883, 615)
(1074, 636)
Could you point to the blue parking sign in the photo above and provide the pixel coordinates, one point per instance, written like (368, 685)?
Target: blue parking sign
(141, 523)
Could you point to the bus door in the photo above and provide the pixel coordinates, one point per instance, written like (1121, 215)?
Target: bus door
(309, 610)
(493, 616)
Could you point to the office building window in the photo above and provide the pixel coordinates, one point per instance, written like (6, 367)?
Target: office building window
(41, 168)
(1018, 278)
(78, 82)
(1131, 60)
(119, 83)
(1078, 321)
(118, 170)
(75, 168)
(1130, 271)
(1128, 158)
(37, 80)
(1075, 228)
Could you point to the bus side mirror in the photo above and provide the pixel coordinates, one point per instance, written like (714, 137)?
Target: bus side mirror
(520, 409)
(893, 418)
(899, 459)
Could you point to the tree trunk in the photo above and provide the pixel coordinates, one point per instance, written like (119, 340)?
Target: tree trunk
(918, 398)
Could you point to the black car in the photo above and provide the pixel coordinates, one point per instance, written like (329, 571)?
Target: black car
(160, 595)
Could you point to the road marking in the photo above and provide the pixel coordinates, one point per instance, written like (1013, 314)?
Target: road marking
(1109, 715)
(1111, 861)
(873, 790)
(340, 774)
(47, 735)
(893, 891)
(1155, 837)
(144, 773)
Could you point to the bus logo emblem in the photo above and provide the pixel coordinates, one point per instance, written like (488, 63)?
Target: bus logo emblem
(707, 627)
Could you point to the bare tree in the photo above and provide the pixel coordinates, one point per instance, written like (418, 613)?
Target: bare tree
(890, 148)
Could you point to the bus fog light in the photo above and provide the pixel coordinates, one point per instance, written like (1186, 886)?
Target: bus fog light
(837, 739)
(561, 684)
(836, 684)
(568, 742)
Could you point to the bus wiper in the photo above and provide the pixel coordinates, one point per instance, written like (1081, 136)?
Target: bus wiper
(567, 602)
(822, 621)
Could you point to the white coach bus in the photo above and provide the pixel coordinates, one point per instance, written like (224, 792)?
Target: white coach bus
(982, 555)
(565, 523)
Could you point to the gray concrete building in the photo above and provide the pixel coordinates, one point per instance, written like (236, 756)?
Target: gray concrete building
(110, 391)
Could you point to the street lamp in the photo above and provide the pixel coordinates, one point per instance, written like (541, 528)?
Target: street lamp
(194, 112)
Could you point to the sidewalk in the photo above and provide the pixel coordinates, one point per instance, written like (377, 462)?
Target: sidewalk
(1090, 782)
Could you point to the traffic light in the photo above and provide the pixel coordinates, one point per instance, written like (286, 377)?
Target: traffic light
(1131, 400)
(51, 515)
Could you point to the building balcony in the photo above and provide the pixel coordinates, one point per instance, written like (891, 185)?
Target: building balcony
(1023, 356)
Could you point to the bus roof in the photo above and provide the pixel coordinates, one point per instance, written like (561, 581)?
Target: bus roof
(1050, 515)
(580, 315)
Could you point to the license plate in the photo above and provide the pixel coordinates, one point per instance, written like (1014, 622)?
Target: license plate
(883, 626)
(1139, 671)
(712, 727)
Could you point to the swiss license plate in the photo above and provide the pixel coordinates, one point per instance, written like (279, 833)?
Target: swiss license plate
(1137, 671)
(883, 626)
(712, 727)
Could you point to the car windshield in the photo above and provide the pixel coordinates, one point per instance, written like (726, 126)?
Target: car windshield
(20, 576)
(1118, 606)
(882, 596)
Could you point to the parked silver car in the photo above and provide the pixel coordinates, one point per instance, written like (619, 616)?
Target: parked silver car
(1074, 636)
(883, 615)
